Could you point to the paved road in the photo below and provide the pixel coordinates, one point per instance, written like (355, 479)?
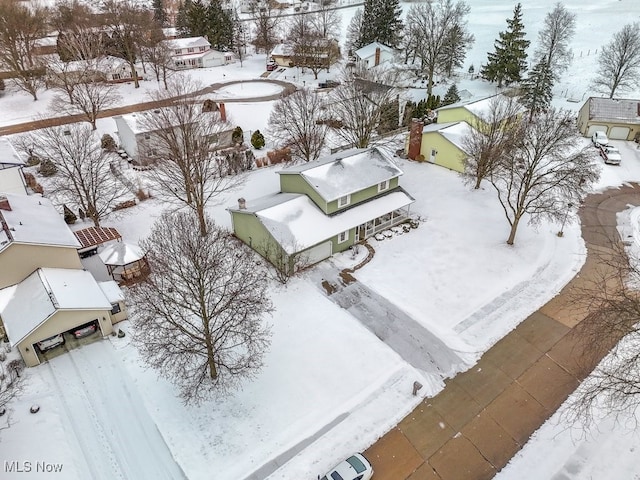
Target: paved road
(471, 429)
(288, 88)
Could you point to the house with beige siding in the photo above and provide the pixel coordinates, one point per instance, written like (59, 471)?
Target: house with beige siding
(324, 207)
(618, 118)
(11, 176)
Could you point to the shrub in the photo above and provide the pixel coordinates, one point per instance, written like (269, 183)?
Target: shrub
(279, 156)
(420, 158)
(108, 143)
(126, 204)
(257, 140)
(47, 168)
(237, 136)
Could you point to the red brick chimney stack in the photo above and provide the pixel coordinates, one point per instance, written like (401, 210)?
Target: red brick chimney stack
(415, 138)
(4, 203)
(223, 112)
(377, 60)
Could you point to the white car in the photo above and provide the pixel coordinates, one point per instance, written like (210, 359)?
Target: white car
(599, 138)
(51, 342)
(356, 467)
(611, 155)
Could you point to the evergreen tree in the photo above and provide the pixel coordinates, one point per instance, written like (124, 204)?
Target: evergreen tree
(536, 89)
(381, 22)
(181, 18)
(219, 26)
(257, 140)
(159, 15)
(237, 135)
(509, 60)
(451, 96)
(195, 18)
(353, 32)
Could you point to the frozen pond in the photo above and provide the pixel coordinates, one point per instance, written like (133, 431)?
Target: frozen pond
(249, 89)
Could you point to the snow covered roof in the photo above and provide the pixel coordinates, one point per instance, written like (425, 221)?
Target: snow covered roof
(189, 42)
(206, 53)
(346, 172)
(297, 223)
(136, 121)
(8, 154)
(112, 291)
(282, 50)
(479, 107)
(455, 132)
(28, 304)
(106, 63)
(120, 253)
(370, 50)
(611, 109)
(33, 219)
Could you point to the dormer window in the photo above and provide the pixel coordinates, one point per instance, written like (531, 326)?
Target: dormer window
(189, 50)
(382, 186)
(178, 51)
(344, 201)
(202, 49)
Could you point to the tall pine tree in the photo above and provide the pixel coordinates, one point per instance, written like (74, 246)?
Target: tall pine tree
(508, 62)
(159, 14)
(381, 22)
(537, 89)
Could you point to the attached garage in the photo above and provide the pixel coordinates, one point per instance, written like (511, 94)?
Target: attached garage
(49, 302)
(318, 253)
(618, 118)
(619, 133)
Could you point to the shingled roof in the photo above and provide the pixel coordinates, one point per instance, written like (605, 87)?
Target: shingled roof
(614, 110)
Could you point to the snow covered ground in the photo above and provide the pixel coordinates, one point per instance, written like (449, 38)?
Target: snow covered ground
(330, 386)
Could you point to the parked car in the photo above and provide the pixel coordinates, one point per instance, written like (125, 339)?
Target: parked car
(611, 155)
(51, 342)
(599, 138)
(271, 66)
(85, 330)
(328, 84)
(356, 467)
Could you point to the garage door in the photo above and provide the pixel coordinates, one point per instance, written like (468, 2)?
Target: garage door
(596, 128)
(619, 133)
(318, 253)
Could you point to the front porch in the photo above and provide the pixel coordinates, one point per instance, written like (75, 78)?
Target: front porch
(381, 223)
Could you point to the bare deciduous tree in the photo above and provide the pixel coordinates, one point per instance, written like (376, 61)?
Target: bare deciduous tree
(188, 171)
(358, 106)
(87, 92)
(610, 303)
(285, 265)
(619, 61)
(310, 49)
(326, 21)
(157, 52)
(493, 136)
(21, 27)
(199, 314)
(353, 31)
(553, 40)
(11, 385)
(440, 34)
(294, 123)
(267, 23)
(545, 172)
(84, 178)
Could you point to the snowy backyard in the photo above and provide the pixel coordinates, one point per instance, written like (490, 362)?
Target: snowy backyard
(340, 368)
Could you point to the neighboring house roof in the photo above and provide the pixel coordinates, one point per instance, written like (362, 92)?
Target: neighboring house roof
(34, 220)
(282, 50)
(455, 132)
(189, 42)
(135, 121)
(106, 63)
(112, 291)
(346, 172)
(121, 253)
(28, 304)
(296, 223)
(93, 236)
(8, 154)
(614, 110)
(370, 50)
(206, 53)
(478, 107)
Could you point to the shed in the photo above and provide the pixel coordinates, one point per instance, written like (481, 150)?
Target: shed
(92, 237)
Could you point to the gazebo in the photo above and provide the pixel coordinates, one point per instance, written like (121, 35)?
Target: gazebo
(125, 263)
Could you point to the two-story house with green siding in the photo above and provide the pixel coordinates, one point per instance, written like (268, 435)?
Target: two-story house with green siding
(442, 142)
(324, 207)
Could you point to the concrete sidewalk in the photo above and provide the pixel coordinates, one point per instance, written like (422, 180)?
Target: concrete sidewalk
(473, 427)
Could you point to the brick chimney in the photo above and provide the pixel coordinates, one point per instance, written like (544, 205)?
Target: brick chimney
(415, 138)
(242, 203)
(4, 203)
(377, 58)
(223, 112)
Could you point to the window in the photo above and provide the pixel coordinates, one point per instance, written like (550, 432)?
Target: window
(147, 137)
(344, 201)
(433, 153)
(383, 185)
(116, 76)
(115, 308)
(178, 51)
(202, 49)
(343, 237)
(189, 50)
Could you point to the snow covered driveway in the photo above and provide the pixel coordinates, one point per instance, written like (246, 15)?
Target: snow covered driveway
(106, 419)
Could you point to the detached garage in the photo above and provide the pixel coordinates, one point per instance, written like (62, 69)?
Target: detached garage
(51, 302)
(618, 118)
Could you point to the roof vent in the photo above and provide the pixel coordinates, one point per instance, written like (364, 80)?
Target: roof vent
(242, 204)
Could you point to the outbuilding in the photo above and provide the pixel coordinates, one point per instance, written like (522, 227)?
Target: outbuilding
(618, 118)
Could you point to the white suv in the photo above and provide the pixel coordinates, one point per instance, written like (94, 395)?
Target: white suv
(51, 342)
(599, 138)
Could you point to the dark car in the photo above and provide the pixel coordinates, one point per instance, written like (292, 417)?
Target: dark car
(328, 84)
(85, 330)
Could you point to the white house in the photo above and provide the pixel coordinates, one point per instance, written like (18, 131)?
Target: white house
(106, 68)
(11, 176)
(373, 55)
(196, 52)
